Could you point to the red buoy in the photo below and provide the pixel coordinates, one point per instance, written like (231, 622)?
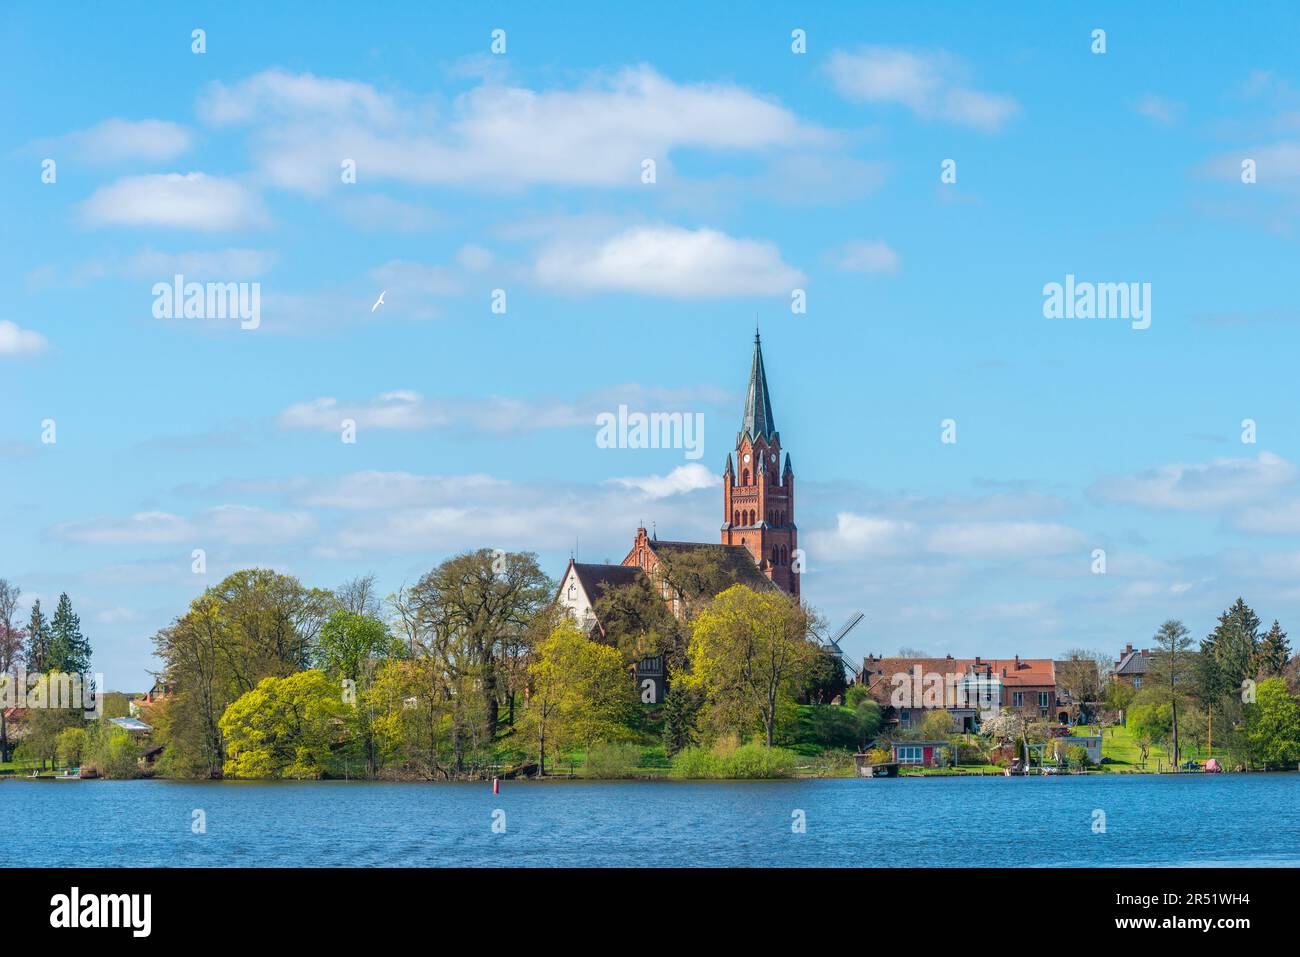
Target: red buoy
(496, 785)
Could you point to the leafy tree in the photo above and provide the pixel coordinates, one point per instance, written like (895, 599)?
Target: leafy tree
(348, 649)
(252, 625)
(748, 651)
(580, 693)
(68, 746)
(637, 621)
(937, 725)
(1273, 724)
(1274, 652)
(12, 640)
(473, 614)
(283, 728)
(1172, 673)
(698, 574)
(1083, 674)
(825, 681)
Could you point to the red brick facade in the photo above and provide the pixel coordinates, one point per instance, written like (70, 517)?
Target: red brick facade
(758, 492)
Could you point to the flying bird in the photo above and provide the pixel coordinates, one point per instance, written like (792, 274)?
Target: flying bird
(378, 302)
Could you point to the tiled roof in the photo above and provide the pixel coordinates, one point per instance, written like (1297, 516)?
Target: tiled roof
(1134, 663)
(1027, 672)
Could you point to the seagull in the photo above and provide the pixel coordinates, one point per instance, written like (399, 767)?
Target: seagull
(378, 302)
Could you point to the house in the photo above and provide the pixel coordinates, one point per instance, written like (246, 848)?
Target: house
(160, 690)
(967, 688)
(1090, 743)
(1132, 667)
(925, 754)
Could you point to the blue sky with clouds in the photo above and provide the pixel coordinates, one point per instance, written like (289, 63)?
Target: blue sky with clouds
(775, 171)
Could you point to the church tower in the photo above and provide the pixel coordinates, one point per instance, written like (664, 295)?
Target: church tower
(758, 489)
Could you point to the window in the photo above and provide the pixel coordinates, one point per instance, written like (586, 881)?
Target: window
(1137, 681)
(744, 477)
(573, 591)
(1017, 699)
(905, 718)
(1042, 699)
(911, 754)
(735, 517)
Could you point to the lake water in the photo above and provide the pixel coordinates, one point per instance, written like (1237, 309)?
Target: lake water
(1047, 821)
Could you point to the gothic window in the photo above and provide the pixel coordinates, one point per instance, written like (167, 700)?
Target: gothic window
(572, 591)
(776, 556)
(744, 476)
(735, 517)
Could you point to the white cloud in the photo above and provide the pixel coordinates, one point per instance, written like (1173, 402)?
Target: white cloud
(16, 341)
(1219, 484)
(930, 83)
(498, 136)
(375, 212)
(224, 524)
(1158, 109)
(117, 140)
(869, 256)
(667, 261)
(175, 200)
(684, 478)
(863, 535)
(404, 409)
(201, 265)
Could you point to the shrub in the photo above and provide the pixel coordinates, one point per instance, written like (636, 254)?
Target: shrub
(69, 745)
(606, 761)
(116, 756)
(751, 761)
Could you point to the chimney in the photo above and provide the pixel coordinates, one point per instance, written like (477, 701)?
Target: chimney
(1128, 649)
(1017, 662)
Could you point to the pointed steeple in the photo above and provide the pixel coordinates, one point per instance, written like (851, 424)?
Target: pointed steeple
(758, 419)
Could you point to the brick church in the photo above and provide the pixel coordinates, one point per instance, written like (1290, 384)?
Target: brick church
(759, 537)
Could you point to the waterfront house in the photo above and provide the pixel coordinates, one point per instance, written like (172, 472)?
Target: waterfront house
(926, 754)
(967, 688)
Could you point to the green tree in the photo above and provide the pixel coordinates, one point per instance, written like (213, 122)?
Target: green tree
(12, 641)
(1273, 724)
(349, 648)
(1229, 654)
(581, 693)
(937, 725)
(748, 651)
(252, 625)
(68, 746)
(637, 621)
(68, 650)
(1274, 652)
(283, 728)
(681, 715)
(473, 615)
(1173, 673)
(38, 640)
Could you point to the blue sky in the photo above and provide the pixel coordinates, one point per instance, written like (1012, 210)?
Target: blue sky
(774, 171)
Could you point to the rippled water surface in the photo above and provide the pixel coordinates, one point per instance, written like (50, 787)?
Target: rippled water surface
(1149, 820)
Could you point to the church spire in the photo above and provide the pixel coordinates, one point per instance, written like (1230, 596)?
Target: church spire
(757, 419)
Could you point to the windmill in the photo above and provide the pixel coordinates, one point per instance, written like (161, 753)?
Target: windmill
(832, 645)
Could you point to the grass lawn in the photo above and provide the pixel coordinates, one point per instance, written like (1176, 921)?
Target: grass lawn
(1119, 745)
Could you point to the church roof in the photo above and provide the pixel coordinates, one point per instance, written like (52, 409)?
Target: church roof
(596, 578)
(757, 420)
(736, 561)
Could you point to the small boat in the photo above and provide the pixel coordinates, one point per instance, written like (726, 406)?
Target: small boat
(885, 769)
